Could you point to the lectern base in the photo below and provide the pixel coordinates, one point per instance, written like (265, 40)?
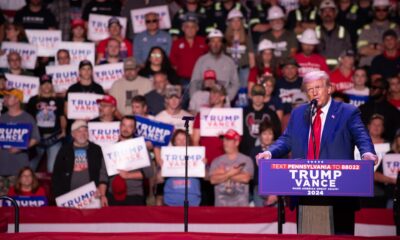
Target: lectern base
(315, 220)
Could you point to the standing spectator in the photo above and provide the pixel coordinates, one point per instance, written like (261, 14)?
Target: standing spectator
(112, 52)
(130, 85)
(369, 42)
(78, 31)
(188, 49)
(107, 108)
(102, 7)
(218, 14)
(115, 32)
(239, 45)
(387, 64)
(3, 85)
(155, 98)
(26, 184)
(215, 59)
(193, 9)
(341, 77)
(231, 173)
(331, 34)
(271, 101)
(14, 61)
(14, 33)
(35, 15)
(63, 57)
(359, 93)
(48, 111)
(139, 107)
(394, 91)
(150, 38)
(379, 105)
(79, 163)
(13, 159)
(307, 59)
(285, 42)
(157, 61)
(305, 17)
(253, 115)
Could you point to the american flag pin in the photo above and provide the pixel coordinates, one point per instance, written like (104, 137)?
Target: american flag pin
(333, 116)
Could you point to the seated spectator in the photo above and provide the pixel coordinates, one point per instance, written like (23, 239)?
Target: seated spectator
(266, 137)
(307, 59)
(26, 184)
(130, 85)
(150, 38)
(79, 163)
(394, 91)
(342, 75)
(231, 173)
(359, 93)
(112, 52)
(48, 111)
(272, 102)
(107, 108)
(78, 31)
(155, 98)
(63, 57)
(13, 159)
(157, 61)
(174, 190)
(35, 15)
(14, 61)
(14, 33)
(263, 64)
(115, 32)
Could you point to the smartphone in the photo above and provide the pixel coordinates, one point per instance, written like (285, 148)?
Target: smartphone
(241, 165)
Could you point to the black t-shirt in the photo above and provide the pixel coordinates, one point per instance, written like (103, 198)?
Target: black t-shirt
(387, 67)
(47, 113)
(111, 8)
(2, 18)
(43, 19)
(286, 91)
(79, 88)
(147, 72)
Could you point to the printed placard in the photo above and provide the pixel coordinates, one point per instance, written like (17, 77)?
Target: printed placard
(126, 155)
(29, 85)
(158, 133)
(83, 105)
(380, 148)
(15, 135)
(138, 21)
(217, 121)
(98, 26)
(316, 178)
(28, 53)
(391, 165)
(78, 51)
(107, 74)
(63, 76)
(103, 133)
(44, 40)
(27, 201)
(83, 197)
(174, 161)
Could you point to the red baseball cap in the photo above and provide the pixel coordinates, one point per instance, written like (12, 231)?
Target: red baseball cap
(232, 135)
(119, 188)
(107, 99)
(210, 74)
(77, 23)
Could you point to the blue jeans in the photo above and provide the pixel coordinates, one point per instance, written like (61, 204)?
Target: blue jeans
(243, 76)
(258, 200)
(51, 152)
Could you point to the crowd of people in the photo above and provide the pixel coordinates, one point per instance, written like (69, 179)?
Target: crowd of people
(217, 54)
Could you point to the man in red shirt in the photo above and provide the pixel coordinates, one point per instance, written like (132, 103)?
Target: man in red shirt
(341, 77)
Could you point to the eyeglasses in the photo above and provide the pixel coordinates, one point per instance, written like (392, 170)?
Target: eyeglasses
(151, 21)
(156, 55)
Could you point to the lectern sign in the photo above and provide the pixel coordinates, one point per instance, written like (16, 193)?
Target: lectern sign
(316, 178)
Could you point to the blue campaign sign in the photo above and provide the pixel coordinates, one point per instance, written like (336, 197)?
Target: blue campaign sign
(316, 178)
(15, 135)
(27, 201)
(158, 133)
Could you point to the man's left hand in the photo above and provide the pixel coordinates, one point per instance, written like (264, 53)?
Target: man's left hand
(370, 156)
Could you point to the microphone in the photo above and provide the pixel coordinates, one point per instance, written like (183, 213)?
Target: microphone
(313, 106)
(187, 118)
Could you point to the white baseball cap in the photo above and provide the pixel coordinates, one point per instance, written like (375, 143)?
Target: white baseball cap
(309, 37)
(265, 44)
(234, 13)
(381, 3)
(275, 12)
(327, 4)
(215, 33)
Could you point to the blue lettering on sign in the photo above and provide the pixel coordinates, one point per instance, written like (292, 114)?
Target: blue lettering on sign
(79, 201)
(82, 52)
(156, 132)
(84, 102)
(177, 157)
(21, 85)
(220, 118)
(64, 75)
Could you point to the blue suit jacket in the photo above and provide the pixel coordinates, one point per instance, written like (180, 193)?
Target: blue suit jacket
(342, 131)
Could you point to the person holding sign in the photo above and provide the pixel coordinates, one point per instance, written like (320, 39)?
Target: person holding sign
(107, 108)
(112, 52)
(15, 65)
(231, 173)
(26, 184)
(338, 128)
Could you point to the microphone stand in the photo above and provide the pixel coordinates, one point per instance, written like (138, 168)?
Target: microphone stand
(312, 113)
(187, 119)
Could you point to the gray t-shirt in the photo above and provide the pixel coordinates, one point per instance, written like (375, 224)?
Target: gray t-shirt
(232, 193)
(10, 164)
(80, 175)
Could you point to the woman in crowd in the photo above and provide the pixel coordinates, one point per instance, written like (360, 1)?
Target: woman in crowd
(394, 91)
(359, 94)
(14, 33)
(273, 102)
(26, 184)
(78, 31)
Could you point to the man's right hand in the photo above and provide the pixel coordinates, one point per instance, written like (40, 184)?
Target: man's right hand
(263, 155)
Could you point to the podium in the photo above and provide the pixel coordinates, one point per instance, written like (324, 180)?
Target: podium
(318, 179)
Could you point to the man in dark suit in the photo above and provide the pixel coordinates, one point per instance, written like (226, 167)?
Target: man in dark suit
(337, 129)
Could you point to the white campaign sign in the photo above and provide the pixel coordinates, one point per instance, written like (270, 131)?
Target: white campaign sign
(391, 165)
(126, 155)
(29, 85)
(28, 53)
(44, 40)
(138, 21)
(103, 133)
(174, 161)
(83, 105)
(63, 76)
(78, 51)
(82, 197)
(98, 26)
(381, 149)
(217, 121)
(107, 74)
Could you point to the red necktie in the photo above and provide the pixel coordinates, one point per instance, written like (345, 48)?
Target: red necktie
(317, 124)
